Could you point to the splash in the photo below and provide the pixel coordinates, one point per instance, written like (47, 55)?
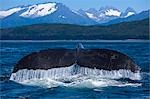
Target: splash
(75, 76)
(78, 81)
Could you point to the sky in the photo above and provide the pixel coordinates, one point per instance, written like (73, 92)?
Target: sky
(138, 5)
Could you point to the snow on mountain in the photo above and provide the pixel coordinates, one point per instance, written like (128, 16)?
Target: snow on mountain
(59, 13)
(134, 17)
(128, 12)
(45, 13)
(33, 11)
(109, 11)
(39, 10)
(103, 15)
(6, 13)
(112, 12)
(90, 15)
(106, 14)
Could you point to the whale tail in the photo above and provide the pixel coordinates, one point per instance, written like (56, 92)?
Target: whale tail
(68, 62)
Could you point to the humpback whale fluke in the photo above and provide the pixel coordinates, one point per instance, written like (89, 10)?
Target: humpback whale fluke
(77, 61)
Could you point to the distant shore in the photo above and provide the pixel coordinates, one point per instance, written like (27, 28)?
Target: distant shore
(127, 40)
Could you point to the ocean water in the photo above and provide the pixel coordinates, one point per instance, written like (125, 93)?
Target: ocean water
(80, 87)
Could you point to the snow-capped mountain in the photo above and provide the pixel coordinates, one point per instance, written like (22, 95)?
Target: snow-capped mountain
(52, 12)
(39, 10)
(105, 14)
(42, 13)
(33, 11)
(135, 17)
(109, 11)
(128, 12)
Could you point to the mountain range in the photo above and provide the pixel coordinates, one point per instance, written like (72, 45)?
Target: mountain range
(52, 12)
(120, 31)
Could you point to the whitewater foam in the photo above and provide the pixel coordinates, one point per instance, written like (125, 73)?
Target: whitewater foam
(71, 71)
(78, 81)
(98, 83)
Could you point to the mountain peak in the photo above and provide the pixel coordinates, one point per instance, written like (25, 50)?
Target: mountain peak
(50, 12)
(109, 11)
(128, 12)
(31, 11)
(92, 10)
(39, 10)
(129, 9)
(107, 7)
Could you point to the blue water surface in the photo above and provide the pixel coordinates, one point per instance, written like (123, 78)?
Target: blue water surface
(12, 52)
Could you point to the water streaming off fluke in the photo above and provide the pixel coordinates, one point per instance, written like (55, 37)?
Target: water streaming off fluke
(65, 72)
